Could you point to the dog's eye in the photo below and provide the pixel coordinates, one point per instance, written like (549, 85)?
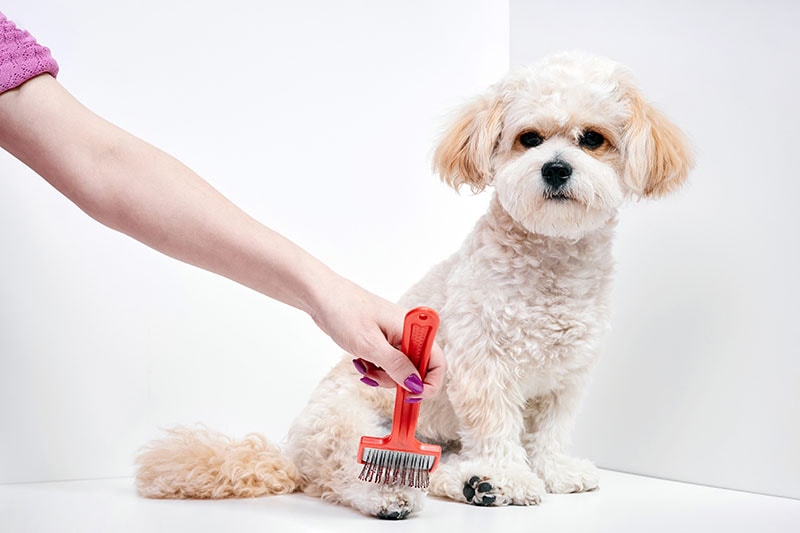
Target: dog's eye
(591, 140)
(530, 139)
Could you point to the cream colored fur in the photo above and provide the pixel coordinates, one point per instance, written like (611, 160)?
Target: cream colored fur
(524, 308)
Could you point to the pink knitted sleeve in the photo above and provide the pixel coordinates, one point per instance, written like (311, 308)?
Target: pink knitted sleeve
(21, 57)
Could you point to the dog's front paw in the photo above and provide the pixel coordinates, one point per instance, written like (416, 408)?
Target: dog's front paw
(564, 475)
(395, 507)
(488, 487)
(396, 502)
(387, 502)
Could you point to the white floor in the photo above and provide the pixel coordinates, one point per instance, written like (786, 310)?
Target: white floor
(625, 503)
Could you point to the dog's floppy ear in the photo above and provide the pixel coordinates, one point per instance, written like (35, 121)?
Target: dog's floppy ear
(464, 155)
(657, 154)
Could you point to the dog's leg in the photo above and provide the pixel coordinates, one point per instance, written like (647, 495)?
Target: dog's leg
(492, 466)
(548, 421)
(323, 443)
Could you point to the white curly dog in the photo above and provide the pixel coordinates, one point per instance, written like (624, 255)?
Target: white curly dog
(524, 308)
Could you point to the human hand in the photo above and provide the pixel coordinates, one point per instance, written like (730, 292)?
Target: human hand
(371, 329)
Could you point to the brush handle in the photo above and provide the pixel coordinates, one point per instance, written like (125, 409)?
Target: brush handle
(419, 330)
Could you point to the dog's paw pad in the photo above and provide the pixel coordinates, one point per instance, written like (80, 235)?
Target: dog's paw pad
(478, 491)
(394, 515)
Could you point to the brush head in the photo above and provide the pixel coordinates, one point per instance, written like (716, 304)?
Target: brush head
(392, 467)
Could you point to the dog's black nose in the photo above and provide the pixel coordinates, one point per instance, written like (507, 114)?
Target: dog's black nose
(556, 173)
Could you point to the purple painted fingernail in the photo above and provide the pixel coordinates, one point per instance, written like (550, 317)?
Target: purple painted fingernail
(413, 400)
(367, 381)
(360, 366)
(414, 384)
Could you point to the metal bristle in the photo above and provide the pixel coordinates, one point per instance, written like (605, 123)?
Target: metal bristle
(396, 468)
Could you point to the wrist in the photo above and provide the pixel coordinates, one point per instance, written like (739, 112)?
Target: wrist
(318, 290)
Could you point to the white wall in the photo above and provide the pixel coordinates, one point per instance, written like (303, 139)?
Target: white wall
(701, 381)
(316, 117)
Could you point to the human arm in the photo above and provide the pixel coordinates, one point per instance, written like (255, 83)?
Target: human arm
(137, 189)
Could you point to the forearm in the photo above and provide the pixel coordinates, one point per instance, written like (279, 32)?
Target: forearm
(159, 201)
(139, 190)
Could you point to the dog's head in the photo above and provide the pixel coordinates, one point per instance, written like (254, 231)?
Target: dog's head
(563, 143)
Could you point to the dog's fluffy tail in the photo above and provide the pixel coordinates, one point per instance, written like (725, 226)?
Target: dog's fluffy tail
(200, 463)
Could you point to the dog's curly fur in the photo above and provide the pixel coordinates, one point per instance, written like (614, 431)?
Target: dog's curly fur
(524, 307)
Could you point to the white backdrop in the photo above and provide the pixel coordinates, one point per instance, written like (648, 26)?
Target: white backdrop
(317, 117)
(701, 379)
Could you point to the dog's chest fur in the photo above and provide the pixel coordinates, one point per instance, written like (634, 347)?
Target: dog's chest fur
(531, 306)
